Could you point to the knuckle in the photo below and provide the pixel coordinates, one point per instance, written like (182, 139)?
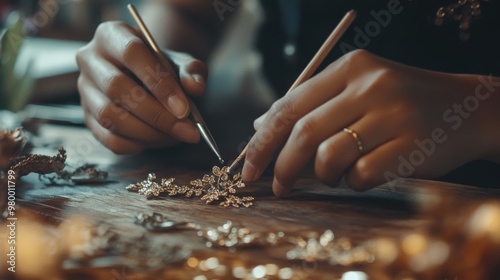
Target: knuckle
(280, 105)
(325, 166)
(157, 117)
(252, 151)
(84, 55)
(106, 26)
(303, 132)
(353, 61)
(103, 27)
(80, 56)
(325, 155)
(132, 49)
(282, 109)
(356, 57)
(364, 175)
(154, 84)
(255, 150)
(114, 83)
(104, 115)
(108, 124)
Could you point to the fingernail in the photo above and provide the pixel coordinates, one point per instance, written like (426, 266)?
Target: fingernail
(249, 172)
(186, 132)
(177, 106)
(278, 188)
(199, 79)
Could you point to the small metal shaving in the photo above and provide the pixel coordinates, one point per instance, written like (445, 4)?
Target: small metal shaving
(218, 187)
(327, 248)
(232, 236)
(159, 223)
(101, 246)
(310, 246)
(85, 174)
(40, 164)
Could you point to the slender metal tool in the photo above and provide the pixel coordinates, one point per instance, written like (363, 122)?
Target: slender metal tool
(313, 65)
(195, 114)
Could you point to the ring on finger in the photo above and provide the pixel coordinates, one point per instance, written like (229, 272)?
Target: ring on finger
(356, 137)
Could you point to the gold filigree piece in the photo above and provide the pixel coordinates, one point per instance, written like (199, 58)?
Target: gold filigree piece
(220, 187)
(327, 248)
(310, 246)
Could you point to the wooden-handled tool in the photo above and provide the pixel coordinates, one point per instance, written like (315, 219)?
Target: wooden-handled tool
(313, 64)
(195, 114)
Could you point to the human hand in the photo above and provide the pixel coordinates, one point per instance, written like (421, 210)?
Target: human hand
(411, 123)
(130, 101)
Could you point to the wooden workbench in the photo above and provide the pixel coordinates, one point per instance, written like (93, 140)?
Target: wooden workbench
(384, 211)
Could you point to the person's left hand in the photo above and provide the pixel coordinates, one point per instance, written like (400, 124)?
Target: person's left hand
(406, 119)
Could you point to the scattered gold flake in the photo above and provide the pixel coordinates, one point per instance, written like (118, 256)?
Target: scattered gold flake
(326, 248)
(220, 187)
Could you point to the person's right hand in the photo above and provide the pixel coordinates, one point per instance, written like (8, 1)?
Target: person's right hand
(130, 101)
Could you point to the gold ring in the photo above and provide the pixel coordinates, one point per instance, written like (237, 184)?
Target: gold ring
(356, 138)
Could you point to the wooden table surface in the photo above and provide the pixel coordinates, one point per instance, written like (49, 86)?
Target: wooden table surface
(383, 211)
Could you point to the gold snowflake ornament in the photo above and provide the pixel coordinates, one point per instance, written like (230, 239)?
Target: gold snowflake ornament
(220, 187)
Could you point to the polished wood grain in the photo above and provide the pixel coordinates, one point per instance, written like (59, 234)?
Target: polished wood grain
(384, 211)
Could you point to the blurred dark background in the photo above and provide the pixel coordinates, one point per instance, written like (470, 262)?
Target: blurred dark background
(65, 19)
(44, 48)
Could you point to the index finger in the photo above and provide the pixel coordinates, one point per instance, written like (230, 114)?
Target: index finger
(129, 50)
(283, 115)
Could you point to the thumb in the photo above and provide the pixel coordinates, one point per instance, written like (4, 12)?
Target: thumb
(193, 73)
(193, 76)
